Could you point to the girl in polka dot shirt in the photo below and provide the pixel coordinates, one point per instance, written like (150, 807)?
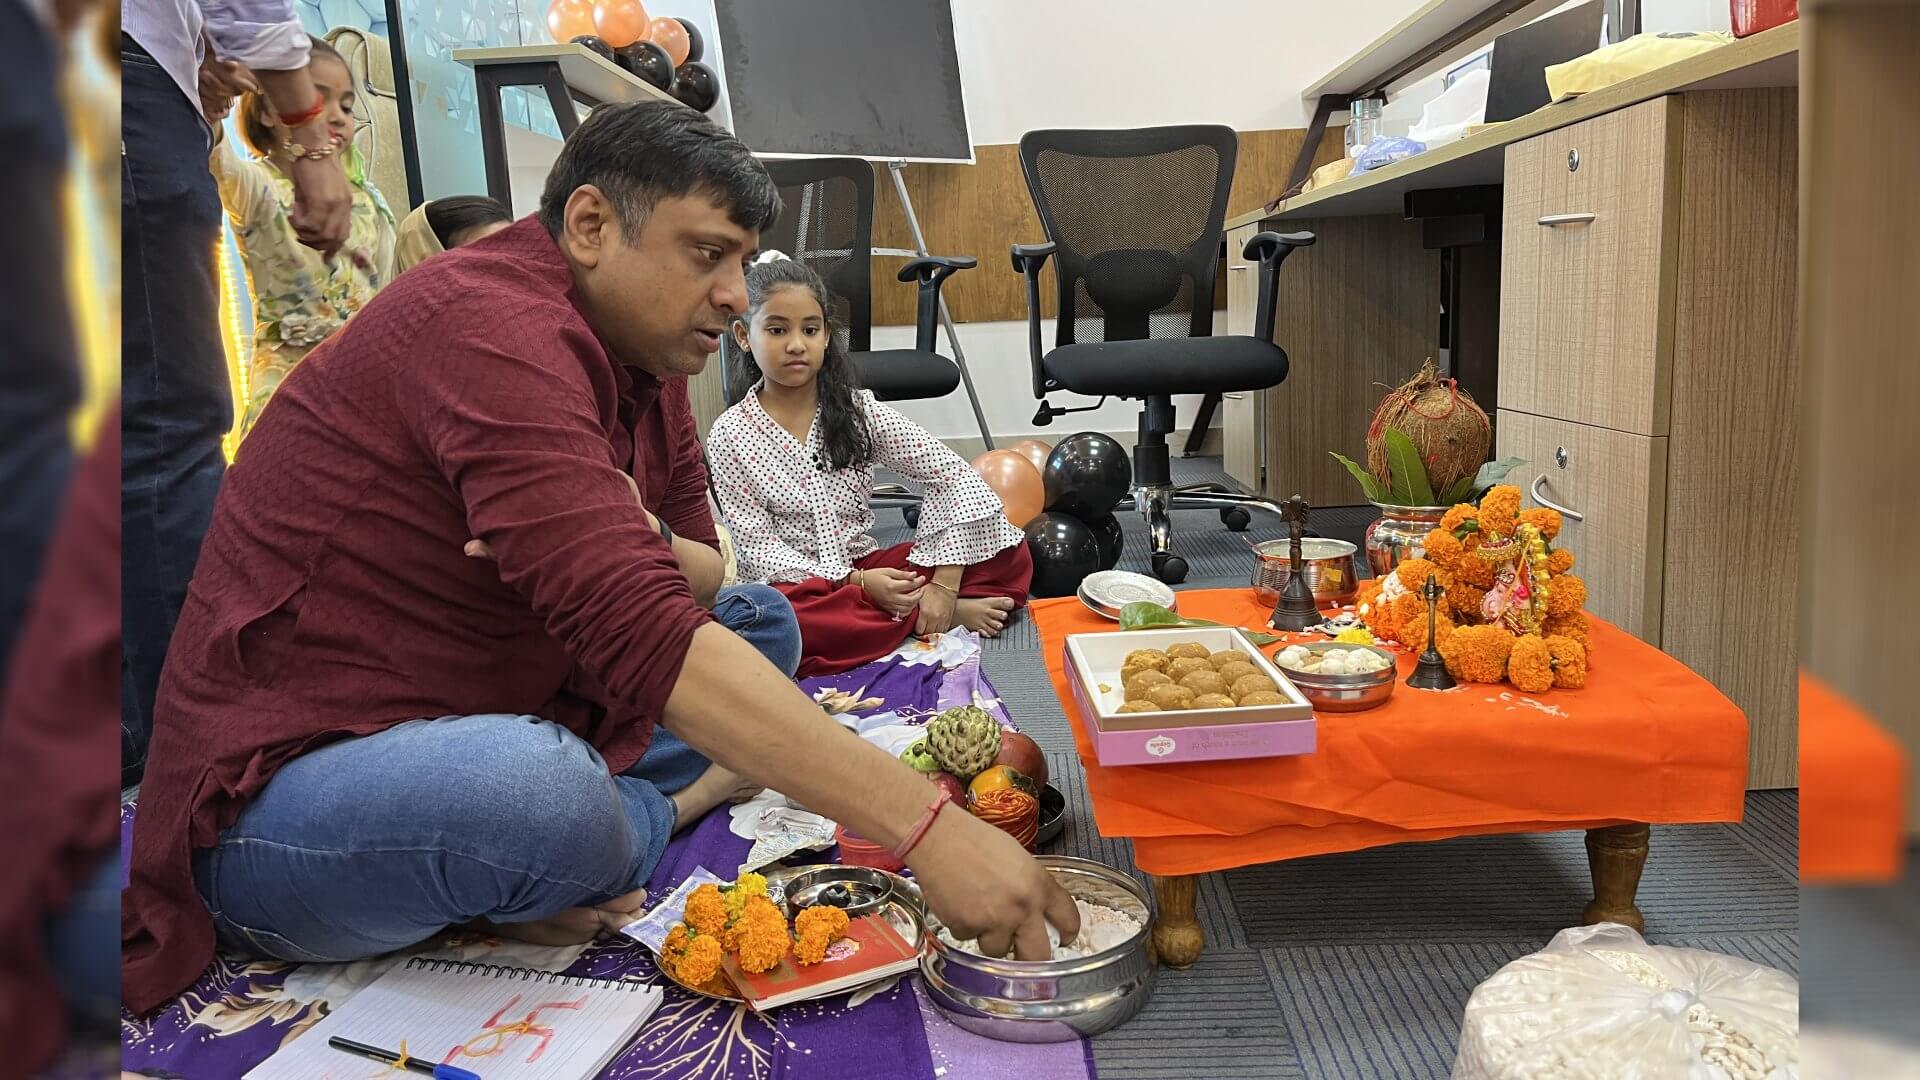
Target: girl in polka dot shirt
(793, 466)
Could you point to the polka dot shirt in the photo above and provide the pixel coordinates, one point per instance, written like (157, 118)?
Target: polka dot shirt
(792, 519)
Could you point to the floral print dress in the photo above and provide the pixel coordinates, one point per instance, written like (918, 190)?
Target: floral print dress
(298, 298)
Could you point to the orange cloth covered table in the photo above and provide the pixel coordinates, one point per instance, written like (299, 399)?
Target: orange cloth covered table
(1646, 740)
(1853, 792)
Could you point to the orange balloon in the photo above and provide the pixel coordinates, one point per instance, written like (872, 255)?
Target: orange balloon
(1035, 451)
(619, 23)
(1012, 477)
(569, 19)
(671, 36)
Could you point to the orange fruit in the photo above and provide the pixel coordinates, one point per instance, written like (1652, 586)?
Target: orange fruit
(999, 778)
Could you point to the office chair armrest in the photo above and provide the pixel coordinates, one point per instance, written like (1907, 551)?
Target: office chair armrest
(1270, 249)
(1027, 260)
(930, 271)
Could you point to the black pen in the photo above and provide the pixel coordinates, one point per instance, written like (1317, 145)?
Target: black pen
(439, 1072)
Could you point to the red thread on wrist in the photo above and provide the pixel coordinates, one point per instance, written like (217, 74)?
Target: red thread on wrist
(927, 817)
(295, 121)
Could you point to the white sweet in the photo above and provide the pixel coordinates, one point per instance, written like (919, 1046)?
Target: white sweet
(1356, 661)
(1293, 656)
(1101, 928)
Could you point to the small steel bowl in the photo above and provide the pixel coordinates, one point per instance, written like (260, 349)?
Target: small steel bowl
(870, 889)
(1053, 815)
(1050, 1000)
(1344, 693)
(1329, 566)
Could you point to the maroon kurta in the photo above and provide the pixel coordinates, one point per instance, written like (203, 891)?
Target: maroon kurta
(332, 598)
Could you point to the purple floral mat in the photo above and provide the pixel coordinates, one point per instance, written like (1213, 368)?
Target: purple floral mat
(241, 1010)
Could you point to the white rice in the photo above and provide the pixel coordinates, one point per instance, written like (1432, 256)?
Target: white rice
(1101, 928)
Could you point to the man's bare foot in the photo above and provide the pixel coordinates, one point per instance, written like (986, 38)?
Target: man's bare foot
(574, 926)
(986, 615)
(715, 786)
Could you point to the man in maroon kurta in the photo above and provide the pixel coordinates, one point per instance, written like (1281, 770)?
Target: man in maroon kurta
(503, 392)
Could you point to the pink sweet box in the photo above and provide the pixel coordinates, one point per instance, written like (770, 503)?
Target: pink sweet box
(1157, 738)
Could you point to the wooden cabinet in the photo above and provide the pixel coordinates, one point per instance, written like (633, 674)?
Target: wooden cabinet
(1242, 422)
(1647, 373)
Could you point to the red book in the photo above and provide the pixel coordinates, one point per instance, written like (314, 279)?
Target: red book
(872, 950)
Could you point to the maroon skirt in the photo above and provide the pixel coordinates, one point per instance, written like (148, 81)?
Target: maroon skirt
(841, 627)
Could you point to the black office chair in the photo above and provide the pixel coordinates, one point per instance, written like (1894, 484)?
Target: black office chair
(827, 224)
(1135, 220)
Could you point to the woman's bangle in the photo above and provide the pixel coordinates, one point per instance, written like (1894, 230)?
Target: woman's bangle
(943, 588)
(920, 827)
(295, 121)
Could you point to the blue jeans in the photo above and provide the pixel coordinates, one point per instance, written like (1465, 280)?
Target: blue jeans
(83, 947)
(176, 403)
(377, 843)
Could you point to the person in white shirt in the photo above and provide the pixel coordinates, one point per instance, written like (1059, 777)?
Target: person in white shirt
(181, 64)
(793, 467)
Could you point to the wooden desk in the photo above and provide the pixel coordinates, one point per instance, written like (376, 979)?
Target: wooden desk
(1634, 339)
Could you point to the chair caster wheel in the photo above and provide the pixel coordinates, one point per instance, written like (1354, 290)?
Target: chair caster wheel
(1169, 568)
(1236, 519)
(912, 516)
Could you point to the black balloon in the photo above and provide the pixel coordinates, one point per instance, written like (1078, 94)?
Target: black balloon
(695, 86)
(1064, 552)
(1111, 537)
(596, 45)
(648, 61)
(1086, 475)
(695, 47)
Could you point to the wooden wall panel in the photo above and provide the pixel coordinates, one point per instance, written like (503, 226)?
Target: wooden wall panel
(982, 209)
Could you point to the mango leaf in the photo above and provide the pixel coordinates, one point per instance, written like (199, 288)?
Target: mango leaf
(1495, 471)
(1461, 488)
(1369, 483)
(1259, 637)
(1467, 527)
(1410, 485)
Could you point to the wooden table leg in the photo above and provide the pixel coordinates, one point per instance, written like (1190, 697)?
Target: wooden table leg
(1616, 855)
(1177, 936)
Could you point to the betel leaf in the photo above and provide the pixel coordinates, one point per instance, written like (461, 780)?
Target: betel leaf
(1495, 471)
(1410, 486)
(1461, 488)
(1369, 483)
(1146, 615)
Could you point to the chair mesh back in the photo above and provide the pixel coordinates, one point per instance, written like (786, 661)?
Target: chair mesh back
(1138, 217)
(827, 223)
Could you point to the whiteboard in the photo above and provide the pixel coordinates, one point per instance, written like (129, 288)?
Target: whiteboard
(877, 79)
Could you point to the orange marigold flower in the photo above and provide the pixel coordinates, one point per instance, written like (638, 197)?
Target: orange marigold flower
(1559, 561)
(1566, 594)
(1443, 549)
(1472, 569)
(1413, 573)
(1375, 615)
(762, 945)
(1466, 602)
(1530, 667)
(1478, 653)
(1573, 626)
(811, 948)
(1457, 515)
(1415, 631)
(1569, 662)
(707, 909)
(700, 961)
(1408, 608)
(1500, 510)
(1547, 521)
(677, 939)
(831, 920)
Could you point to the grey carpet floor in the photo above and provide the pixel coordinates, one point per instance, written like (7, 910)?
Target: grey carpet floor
(1356, 966)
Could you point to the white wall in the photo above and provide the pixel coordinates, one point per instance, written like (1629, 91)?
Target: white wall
(1120, 63)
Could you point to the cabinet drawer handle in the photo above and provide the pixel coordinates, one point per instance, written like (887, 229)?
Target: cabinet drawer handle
(1570, 515)
(1239, 266)
(1234, 397)
(1556, 220)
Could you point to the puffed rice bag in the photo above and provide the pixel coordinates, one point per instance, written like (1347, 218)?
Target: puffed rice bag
(1600, 1003)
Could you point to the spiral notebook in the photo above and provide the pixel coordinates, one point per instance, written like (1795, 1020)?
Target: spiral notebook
(502, 1023)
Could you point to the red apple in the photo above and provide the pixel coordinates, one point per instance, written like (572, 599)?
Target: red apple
(951, 784)
(1022, 755)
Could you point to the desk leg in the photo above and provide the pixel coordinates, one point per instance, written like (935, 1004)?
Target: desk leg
(1177, 936)
(1616, 855)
